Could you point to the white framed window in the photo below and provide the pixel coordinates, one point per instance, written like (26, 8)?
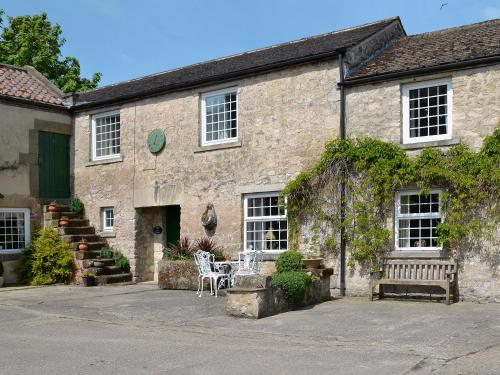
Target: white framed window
(14, 229)
(266, 224)
(417, 217)
(427, 111)
(219, 113)
(106, 135)
(108, 219)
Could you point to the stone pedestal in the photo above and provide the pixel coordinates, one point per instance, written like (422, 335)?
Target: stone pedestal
(255, 296)
(178, 274)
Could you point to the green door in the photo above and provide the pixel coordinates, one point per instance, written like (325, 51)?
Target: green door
(173, 224)
(53, 165)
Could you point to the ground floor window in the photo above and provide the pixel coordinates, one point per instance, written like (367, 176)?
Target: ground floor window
(417, 216)
(14, 229)
(266, 224)
(108, 219)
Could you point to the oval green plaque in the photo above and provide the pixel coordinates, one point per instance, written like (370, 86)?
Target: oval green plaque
(156, 140)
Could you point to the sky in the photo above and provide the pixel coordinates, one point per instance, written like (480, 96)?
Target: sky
(126, 39)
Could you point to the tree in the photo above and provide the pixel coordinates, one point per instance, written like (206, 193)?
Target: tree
(33, 40)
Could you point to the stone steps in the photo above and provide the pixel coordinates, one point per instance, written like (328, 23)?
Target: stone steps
(79, 228)
(112, 279)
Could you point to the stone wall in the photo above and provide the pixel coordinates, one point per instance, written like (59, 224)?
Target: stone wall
(375, 110)
(284, 119)
(19, 128)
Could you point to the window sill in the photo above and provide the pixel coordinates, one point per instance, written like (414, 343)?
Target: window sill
(117, 159)
(418, 254)
(220, 146)
(8, 255)
(440, 143)
(107, 234)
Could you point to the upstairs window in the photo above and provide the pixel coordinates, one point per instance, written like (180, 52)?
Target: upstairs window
(219, 116)
(14, 229)
(417, 217)
(266, 224)
(105, 135)
(427, 111)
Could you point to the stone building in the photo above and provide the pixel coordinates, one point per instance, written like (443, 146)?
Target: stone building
(452, 76)
(35, 129)
(150, 154)
(236, 130)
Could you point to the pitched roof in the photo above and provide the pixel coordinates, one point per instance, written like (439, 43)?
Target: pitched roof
(435, 49)
(307, 49)
(27, 85)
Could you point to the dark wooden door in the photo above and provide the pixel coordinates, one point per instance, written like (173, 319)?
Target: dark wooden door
(53, 165)
(173, 224)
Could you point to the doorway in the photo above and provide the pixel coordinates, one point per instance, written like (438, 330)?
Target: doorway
(53, 165)
(172, 225)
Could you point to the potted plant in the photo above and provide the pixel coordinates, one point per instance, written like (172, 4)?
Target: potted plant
(88, 279)
(1, 274)
(64, 221)
(52, 207)
(105, 253)
(83, 245)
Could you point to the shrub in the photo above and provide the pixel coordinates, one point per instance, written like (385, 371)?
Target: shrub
(105, 253)
(182, 250)
(76, 206)
(51, 259)
(210, 246)
(122, 261)
(289, 261)
(293, 284)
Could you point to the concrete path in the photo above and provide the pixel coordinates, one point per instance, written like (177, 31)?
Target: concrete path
(140, 329)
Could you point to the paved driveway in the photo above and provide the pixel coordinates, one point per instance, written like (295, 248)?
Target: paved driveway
(140, 329)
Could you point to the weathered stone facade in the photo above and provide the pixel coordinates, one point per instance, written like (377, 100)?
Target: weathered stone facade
(19, 127)
(284, 119)
(375, 110)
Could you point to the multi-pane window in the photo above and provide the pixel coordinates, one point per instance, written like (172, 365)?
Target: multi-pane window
(417, 216)
(427, 111)
(108, 219)
(106, 135)
(14, 229)
(266, 225)
(219, 112)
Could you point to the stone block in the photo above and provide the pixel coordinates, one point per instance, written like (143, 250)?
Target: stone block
(177, 275)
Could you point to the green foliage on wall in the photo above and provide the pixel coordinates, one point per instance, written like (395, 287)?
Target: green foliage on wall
(51, 259)
(374, 171)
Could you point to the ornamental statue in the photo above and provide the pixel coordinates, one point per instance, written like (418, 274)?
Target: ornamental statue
(209, 218)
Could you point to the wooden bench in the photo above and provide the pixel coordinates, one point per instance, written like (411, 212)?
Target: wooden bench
(428, 272)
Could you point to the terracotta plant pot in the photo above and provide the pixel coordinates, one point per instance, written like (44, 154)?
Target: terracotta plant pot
(64, 222)
(52, 207)
(83, 246)
(312, 263)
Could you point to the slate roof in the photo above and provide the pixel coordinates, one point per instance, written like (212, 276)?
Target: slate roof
(435, 49)
(307, 49)
(27, 85)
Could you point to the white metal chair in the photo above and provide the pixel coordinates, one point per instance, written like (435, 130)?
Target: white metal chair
(204, 260)
(248, 264)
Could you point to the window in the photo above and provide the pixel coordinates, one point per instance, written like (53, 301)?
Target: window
(108, 219)
(105, 135)
(219, 116)
(14, 229)
(417, 217)
(266, 225)
(427, 111)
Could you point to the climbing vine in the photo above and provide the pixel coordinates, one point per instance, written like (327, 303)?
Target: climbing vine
(373, 171)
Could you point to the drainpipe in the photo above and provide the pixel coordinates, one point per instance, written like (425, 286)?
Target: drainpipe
(342, 178)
